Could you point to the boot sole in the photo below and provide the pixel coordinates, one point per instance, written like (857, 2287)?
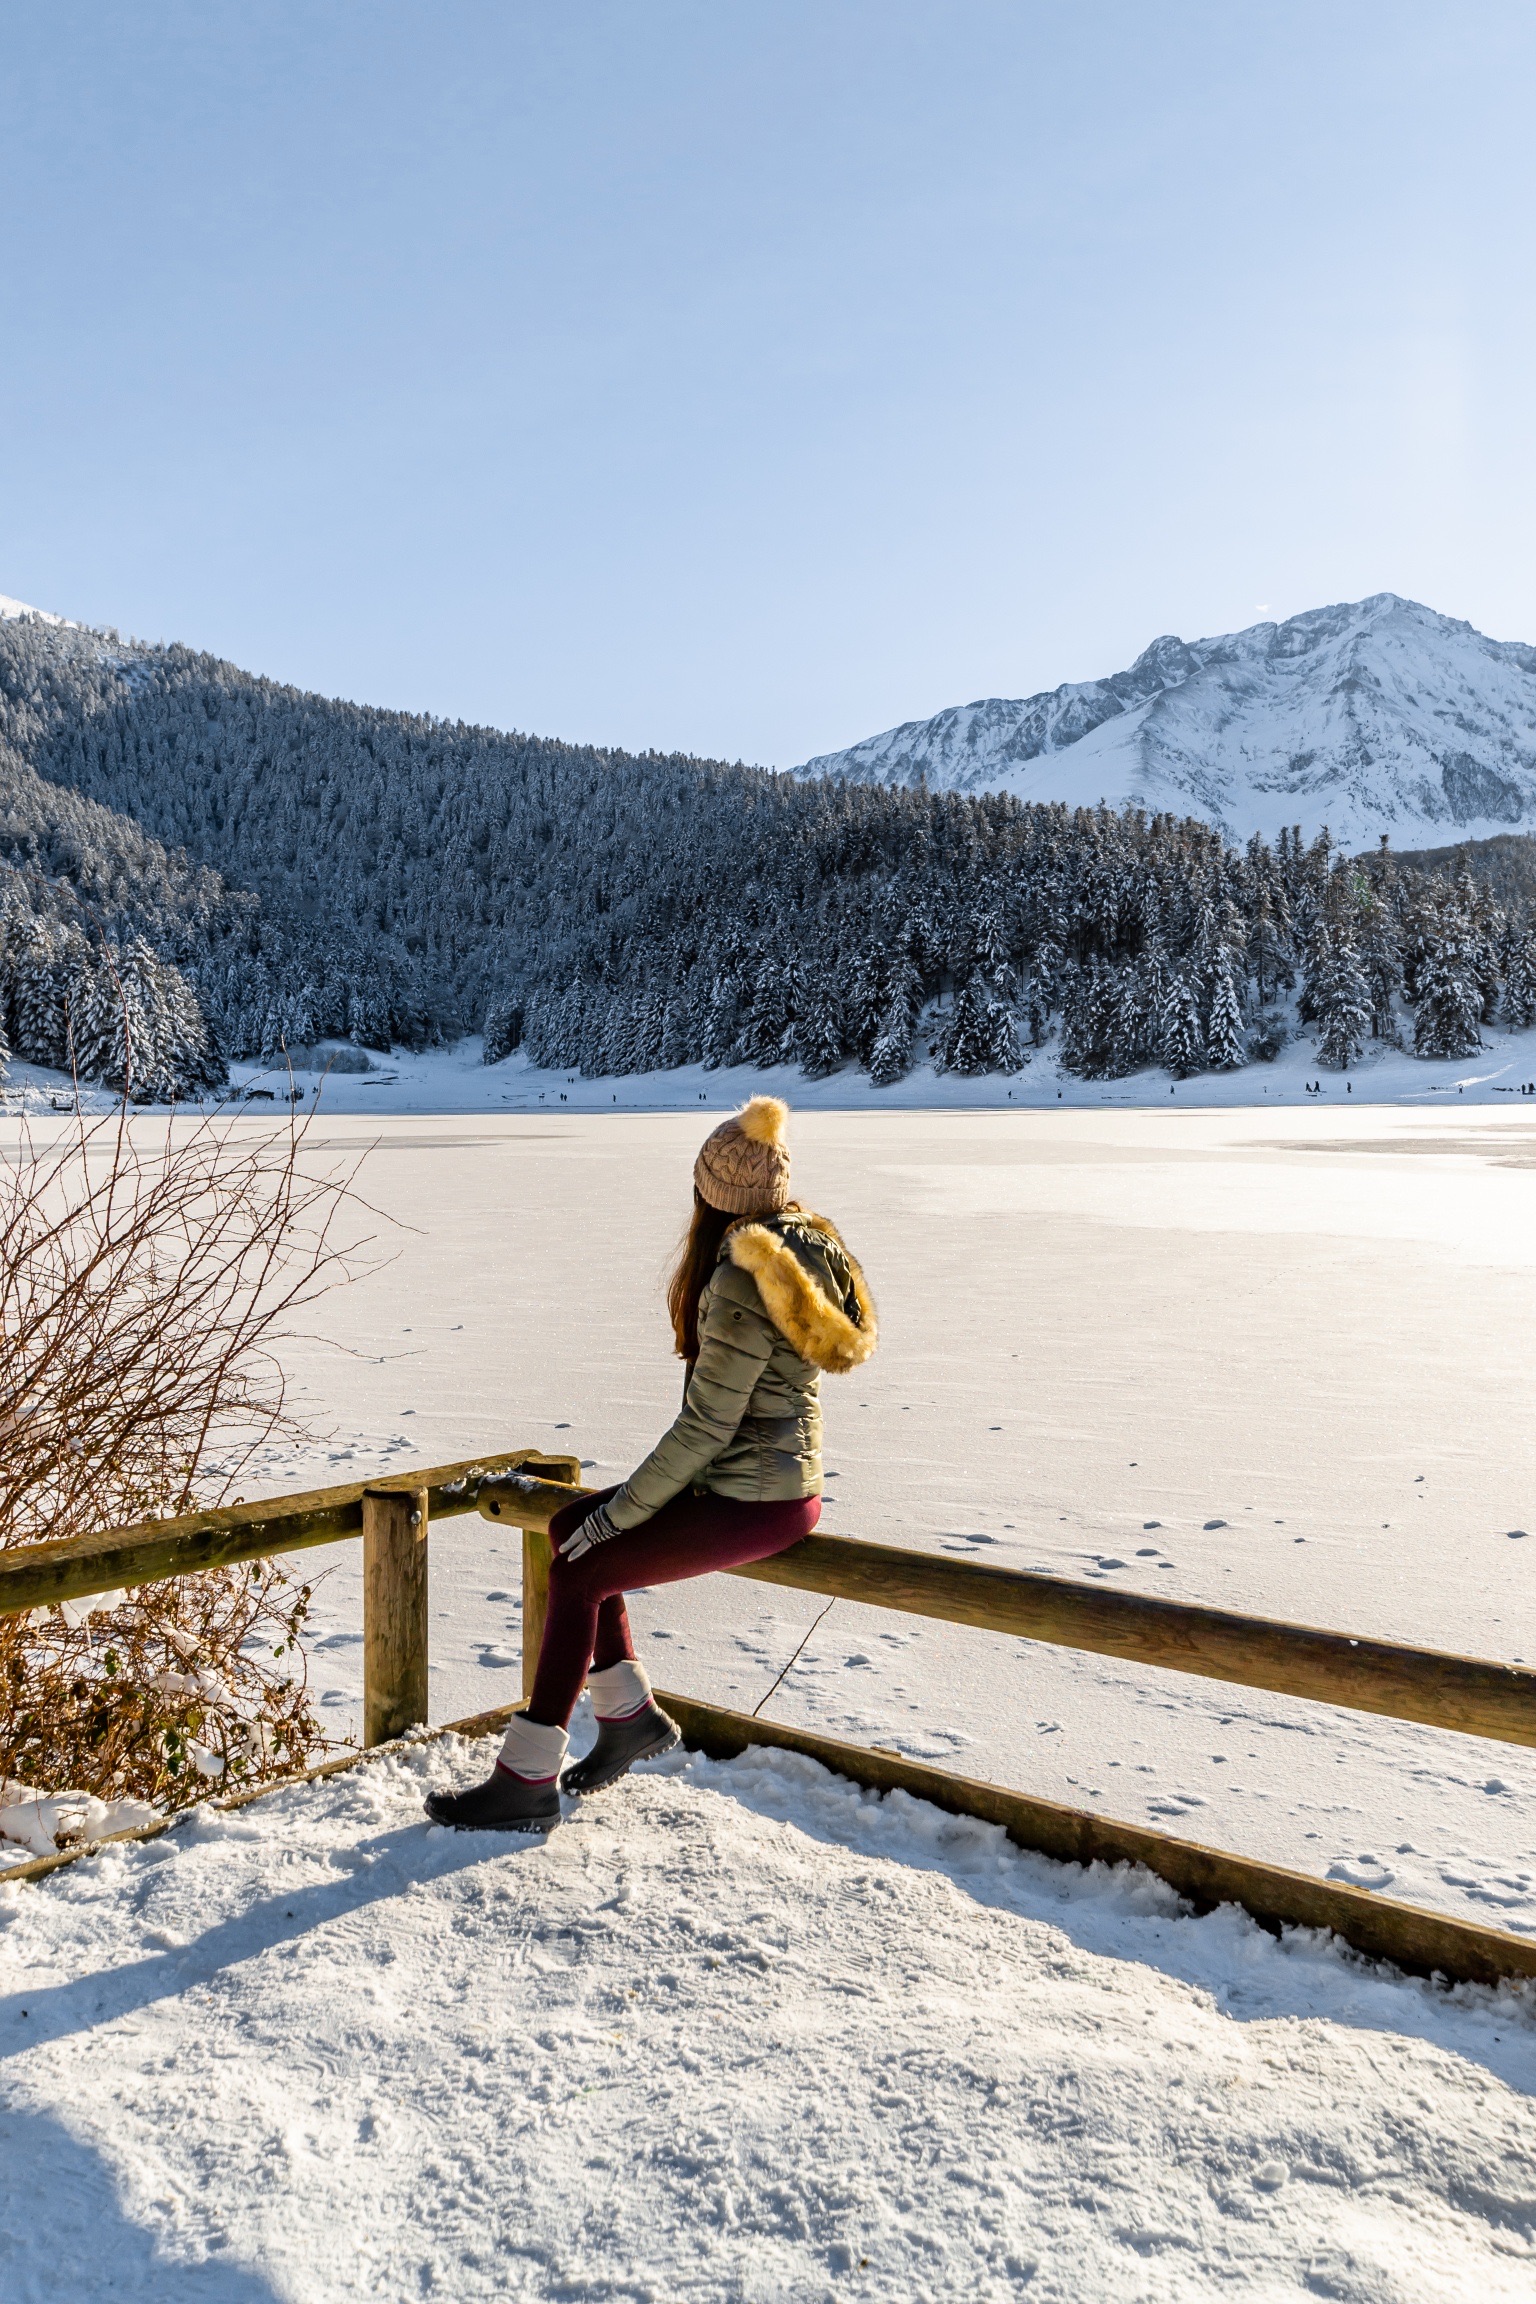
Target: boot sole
(577, 1791)
(512, 1824)
(530, 1824)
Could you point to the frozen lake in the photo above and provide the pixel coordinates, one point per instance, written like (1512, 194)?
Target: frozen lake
(1274, 1360)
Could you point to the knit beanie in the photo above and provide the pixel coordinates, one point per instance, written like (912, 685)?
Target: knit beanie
(743, 1168)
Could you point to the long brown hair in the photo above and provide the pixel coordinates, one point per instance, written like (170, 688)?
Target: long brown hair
(697, 1258)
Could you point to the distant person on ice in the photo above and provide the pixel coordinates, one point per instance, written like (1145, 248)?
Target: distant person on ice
(765, 1296)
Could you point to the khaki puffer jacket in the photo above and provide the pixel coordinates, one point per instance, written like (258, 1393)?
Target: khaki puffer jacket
(785, 1302)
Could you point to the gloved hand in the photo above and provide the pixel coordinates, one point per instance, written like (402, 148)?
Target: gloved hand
(596, 1529)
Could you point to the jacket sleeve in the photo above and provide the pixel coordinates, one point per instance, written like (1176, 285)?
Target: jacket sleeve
(735, 1342)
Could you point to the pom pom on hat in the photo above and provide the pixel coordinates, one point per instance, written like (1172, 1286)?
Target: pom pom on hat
(743, 1168)
(764, 1120)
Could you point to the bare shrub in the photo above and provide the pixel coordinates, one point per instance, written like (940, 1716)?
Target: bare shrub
(147, 1275)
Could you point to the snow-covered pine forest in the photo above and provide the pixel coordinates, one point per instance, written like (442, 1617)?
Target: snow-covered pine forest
(202, 865)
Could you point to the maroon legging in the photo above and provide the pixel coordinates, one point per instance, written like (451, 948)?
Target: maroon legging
(588, 1624)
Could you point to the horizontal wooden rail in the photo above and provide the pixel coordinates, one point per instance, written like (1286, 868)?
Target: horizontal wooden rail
(1426, 1684)
(1465, 1693)
(41, 1575)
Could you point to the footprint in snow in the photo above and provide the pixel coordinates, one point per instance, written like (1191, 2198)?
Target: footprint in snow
(1363, 1871)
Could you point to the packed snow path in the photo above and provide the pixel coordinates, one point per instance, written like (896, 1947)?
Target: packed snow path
(733, 2032)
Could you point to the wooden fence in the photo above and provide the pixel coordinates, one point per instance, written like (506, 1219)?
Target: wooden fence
(522, 1488)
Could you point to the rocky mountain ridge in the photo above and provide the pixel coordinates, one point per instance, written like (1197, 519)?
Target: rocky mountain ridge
(1375, 717)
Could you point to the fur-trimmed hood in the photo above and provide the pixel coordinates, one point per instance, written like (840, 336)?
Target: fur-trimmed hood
(811, 1287)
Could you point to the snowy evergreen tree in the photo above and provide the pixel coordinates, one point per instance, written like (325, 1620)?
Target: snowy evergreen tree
(890, 1057)
(1269, 940)
(979, 1033)
(503, 1030)
(674, 1043)
(720, 1022)
(815, 1039)
(775, 989)
(1043, 988)
(1449, 1010)
(1100, 1022)
(1520, 980)
(1154, 981)
(867, 1003)
(1129, 1028)
(1225, 1048)
(1381, 964)
(46, 961)
(1181, 1043)
(1341, 1003)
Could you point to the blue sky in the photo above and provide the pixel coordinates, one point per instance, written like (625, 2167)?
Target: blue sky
(745, 379)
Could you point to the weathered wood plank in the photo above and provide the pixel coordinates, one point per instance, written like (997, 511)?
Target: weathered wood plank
(524, 1499)
(536, 1559)
(1443, 1691)
(1465, 1693)
(394, 1613)
(528, 1500)
(41, 1575)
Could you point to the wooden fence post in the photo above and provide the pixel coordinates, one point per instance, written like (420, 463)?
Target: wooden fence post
(537, 1554)
(394, 1612)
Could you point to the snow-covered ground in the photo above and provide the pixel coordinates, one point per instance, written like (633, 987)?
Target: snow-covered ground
(733, 2033)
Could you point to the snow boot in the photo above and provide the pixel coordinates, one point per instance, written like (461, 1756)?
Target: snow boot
(631, 1726)
(522, 1792)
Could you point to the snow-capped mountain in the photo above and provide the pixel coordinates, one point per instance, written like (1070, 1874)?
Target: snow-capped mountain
(11, 610)
(1376, 716)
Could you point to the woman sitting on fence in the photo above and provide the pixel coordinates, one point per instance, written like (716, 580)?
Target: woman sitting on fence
(765, 1296)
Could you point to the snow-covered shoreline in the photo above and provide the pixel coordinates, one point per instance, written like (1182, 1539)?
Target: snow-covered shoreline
(455, 1080)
